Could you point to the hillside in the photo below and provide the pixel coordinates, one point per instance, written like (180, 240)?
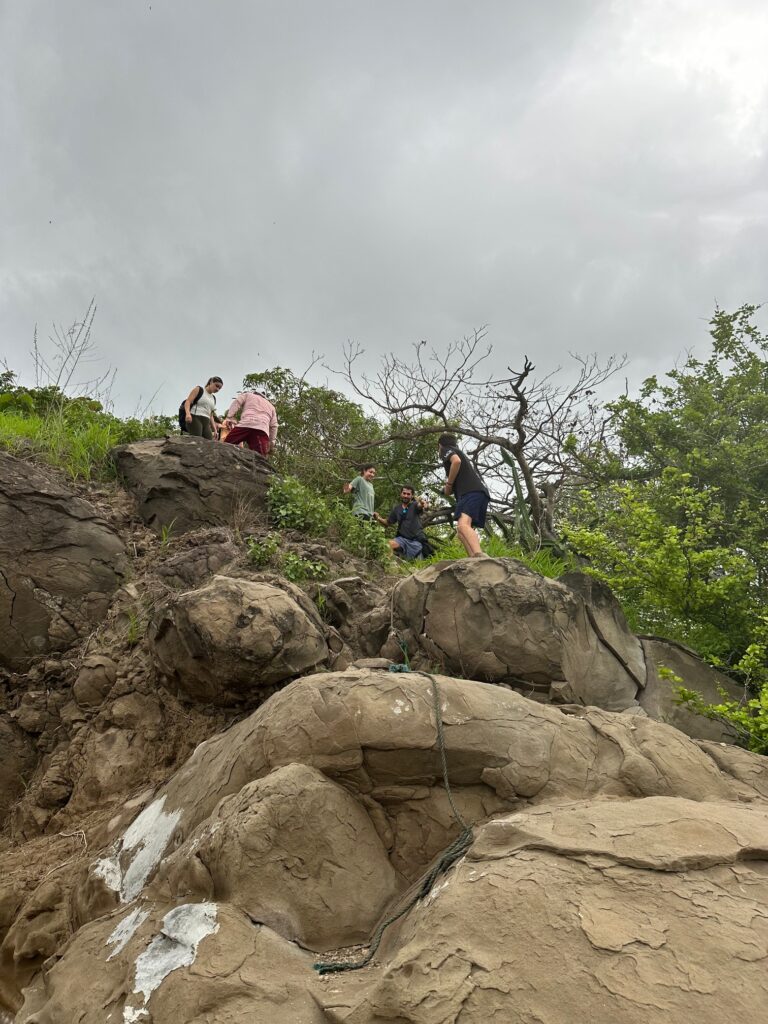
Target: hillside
(230, 754)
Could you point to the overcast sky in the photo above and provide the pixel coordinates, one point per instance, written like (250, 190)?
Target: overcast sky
(241, 182)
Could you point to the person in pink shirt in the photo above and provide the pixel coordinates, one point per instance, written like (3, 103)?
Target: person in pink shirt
(257, 425)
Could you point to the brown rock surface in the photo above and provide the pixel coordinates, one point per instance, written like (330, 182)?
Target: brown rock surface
(657, 697)
(359, 610)
(618, 872)
(632, 862)
(59, 564)
(609, 912)
(171, 964)
(182, 483)
(189, 568)
(225, 640)
(18, 759)
(374, 733)
(295, 852)
(496, 620)
(94, 680)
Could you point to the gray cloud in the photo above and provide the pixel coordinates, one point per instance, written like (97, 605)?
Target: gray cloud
(239, 184)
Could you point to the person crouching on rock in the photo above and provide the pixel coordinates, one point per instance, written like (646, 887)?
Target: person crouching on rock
(199, 409)
(472, 496)
(257, 425)
(407, 517)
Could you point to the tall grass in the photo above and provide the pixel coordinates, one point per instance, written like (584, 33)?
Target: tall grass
(78, 441)
(448, 546)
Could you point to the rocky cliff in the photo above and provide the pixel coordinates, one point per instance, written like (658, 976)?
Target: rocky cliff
(214, 783)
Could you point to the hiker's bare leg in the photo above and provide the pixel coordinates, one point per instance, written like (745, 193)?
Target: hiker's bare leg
(468, 536)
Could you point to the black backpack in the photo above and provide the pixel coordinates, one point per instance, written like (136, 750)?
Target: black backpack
(182, 413)
(427, 551)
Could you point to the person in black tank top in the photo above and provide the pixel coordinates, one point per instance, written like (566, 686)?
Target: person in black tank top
(472, 496)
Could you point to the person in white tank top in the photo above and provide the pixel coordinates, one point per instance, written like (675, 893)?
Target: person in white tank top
(198, 411)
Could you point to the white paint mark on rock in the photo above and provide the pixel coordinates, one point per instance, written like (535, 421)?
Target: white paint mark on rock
(131, 1016)
(109, 870)
(148, 836)
(183, 929)
(125, 930)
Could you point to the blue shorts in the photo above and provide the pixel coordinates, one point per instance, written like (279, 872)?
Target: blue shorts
(473, 504)
(409, 548)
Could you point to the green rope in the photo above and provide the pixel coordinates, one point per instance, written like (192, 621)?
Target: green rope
(447, 858)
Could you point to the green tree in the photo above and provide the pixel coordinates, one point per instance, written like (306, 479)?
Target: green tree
(674, 517)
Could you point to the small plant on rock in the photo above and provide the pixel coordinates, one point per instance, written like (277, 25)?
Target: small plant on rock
(262, 550)
(166, 531)
(298, 569)
(136, 626)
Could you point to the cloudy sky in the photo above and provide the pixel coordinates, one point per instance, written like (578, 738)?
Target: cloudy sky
(240, 183)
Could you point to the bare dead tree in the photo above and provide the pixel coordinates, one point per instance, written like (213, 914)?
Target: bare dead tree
(72, 349)
(523, 433)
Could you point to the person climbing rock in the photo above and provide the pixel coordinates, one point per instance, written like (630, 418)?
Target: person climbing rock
(472, 496)
(257, 425)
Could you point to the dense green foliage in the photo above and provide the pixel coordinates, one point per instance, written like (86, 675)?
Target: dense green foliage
(293, 505)
(75, 434)
(749, 717)
(675, 517)
(268, 552)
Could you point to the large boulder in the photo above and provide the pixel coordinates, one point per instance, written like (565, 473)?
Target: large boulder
(374, 733)
(607, 619)
(194, 962)
(294, 851)
(183, 483)
(648, 909)
(359, 609)
(231, 638)
(613, 911)
(60, 562)
(640, 912)
(496, 620)
(657, 698)
(633, 861)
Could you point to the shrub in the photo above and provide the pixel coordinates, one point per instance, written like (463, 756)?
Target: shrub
(262, 551)
(366, 540)
(298, 569)
(294, 506)
(748, 716)
(267, 552)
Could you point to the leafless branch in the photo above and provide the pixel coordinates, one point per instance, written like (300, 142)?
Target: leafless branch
(533, 420)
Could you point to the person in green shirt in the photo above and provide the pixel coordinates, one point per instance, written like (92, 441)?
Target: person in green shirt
(364, 496)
